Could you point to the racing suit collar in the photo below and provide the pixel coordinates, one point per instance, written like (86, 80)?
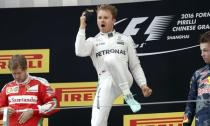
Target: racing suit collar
(108, 34)
(26, 81)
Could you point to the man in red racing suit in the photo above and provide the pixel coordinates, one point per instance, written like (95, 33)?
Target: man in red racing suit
(27, 98)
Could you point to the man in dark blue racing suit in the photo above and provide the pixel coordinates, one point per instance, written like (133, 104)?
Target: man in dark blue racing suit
(200, 89)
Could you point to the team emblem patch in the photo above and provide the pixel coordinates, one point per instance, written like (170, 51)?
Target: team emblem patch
(32, 88)
(120, 42)
(10, 90)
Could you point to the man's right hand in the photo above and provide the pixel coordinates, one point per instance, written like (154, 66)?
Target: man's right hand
(83, 23)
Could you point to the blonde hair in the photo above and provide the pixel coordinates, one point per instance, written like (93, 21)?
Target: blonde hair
(111, 8)
(17, 61)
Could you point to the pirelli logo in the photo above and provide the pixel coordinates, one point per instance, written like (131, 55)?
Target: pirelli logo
(37, 60)
(157, 119)
(77, 94)
(173, 121)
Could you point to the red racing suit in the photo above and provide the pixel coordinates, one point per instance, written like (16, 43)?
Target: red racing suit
(35, 93)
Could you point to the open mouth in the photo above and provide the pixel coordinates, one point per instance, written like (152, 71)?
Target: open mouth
(102, 25)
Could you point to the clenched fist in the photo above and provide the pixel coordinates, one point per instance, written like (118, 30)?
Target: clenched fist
(146, 90)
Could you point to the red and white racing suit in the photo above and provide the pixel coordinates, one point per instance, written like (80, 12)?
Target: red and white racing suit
(111, 54)
(35, 93)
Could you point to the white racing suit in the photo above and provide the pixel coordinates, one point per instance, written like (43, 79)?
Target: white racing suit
(111, 54)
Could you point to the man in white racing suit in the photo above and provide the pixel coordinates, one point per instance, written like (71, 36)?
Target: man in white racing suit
(111, 53)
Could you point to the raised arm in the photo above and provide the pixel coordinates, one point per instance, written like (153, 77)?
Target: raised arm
(83, 47)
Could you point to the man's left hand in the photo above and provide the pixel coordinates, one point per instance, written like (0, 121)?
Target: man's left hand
(25, 116)
(146, 90)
